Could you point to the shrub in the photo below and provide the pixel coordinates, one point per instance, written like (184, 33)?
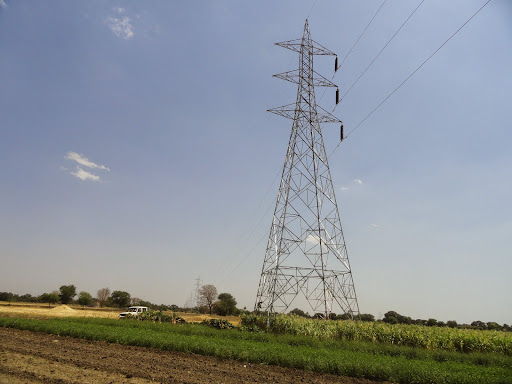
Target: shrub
(218, 323)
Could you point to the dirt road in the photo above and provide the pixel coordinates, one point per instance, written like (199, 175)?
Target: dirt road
(29, 357)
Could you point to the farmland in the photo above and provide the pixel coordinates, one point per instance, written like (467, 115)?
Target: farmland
(31, 310)
(36, 358)
(310, 346)
(417, 336)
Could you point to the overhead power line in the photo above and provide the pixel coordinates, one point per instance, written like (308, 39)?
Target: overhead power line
(382, 50)
(361, 35)
(311, 10)
(351, 49)
(413, 73)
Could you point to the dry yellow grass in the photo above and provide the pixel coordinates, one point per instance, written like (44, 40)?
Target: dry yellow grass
(44, 312)
(39, 311)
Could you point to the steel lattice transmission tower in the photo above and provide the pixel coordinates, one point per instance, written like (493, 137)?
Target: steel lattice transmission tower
(306, 254)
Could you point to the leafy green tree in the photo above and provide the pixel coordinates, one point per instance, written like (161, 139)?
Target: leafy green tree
(84, 299)
(367, 317)
(67, 292)
(343, 316)
(493, 326)
(393, 317)
(28, 298)
(226, 305)
(50, 298)
(299, 312)
(120, 299)
(479, 324)
(6, 296)
(431, 322)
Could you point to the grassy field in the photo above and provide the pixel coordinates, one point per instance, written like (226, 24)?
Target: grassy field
(375, 361)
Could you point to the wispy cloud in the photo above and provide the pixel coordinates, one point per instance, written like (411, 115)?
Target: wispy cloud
(3, 4)
(82, 160)
(85, 175)
(375, 227)
(120, 24)
(355, 181)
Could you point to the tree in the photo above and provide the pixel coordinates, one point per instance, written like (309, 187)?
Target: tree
(299, 312)
(451, 323)
(50, 298)
(67, 292)
(102, 295)
(344, 316)
(226, 305)
(493, 326)
(120, 298)
(431, 322)
(366, 317)
(207, 296)
(135, 301)
(84, 298)
(28, 298)
(479, 324)
(6, 296)
(393, 317)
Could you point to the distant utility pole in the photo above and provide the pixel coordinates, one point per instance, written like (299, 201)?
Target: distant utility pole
(196, 293)
(306, 254)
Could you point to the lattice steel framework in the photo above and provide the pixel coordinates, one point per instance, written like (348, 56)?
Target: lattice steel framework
(306, 254)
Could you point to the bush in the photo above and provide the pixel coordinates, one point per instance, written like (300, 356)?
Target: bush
(253, 323)
(158, 317)
(218, 323)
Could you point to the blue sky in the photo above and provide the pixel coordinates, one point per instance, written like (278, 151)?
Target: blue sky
(136, 152)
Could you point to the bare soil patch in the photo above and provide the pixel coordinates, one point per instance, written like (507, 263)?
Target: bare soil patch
(34, 358)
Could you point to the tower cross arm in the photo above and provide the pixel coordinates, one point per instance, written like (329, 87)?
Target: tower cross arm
(294, 76)
(289, 111)
(295, 45)
(326, 117)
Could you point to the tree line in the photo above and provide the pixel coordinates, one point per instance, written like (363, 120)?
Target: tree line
(392, 317)
(223, 304)
(67, 294)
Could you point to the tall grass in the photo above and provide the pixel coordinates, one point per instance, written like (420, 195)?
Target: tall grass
(358, 359)
(418, 336)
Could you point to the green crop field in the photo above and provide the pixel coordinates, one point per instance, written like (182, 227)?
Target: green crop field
(362, 359)
(419, 336)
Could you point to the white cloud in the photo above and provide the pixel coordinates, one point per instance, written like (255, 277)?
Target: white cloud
(82, 160)
(3, 4)
(84, 175)
(120, 25)
(375, 226)
(312, 239)
(358, 181)
(344, 188)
